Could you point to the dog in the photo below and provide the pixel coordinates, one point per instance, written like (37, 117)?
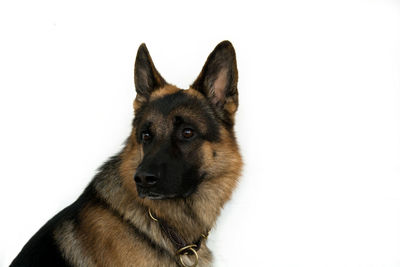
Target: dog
(154, 202)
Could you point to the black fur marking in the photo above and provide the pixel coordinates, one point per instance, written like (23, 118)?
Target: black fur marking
(41, 250)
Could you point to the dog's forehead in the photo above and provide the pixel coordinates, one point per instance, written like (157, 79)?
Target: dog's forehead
(166, 105)
(176, 103)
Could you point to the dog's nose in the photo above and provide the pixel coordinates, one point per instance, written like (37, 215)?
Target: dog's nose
(145, 179)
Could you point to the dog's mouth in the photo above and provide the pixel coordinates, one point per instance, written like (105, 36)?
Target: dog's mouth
(156, 193)
(152, 195)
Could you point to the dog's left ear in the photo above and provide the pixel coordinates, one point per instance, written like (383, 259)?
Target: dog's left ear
(147, 78)
(218, 78)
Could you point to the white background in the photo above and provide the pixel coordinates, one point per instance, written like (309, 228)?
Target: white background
(318, 124)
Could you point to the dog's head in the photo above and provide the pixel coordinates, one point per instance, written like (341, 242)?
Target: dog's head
(184, 137)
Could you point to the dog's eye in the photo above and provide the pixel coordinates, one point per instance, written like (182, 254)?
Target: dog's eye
(146, 136)
(187, 133)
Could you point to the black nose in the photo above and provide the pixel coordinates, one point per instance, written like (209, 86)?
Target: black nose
(145, 179)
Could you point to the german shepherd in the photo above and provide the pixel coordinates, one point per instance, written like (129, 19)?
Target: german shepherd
(154, 203)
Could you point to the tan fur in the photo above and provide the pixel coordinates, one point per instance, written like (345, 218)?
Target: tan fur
(224, 169)
(71, 245)
(166, 90)
(139, 101)
(194, 93)
(112, 242)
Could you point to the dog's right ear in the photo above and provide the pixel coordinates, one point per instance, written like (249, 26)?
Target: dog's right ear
(147, 78)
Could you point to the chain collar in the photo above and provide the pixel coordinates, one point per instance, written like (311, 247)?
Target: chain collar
(182, 248)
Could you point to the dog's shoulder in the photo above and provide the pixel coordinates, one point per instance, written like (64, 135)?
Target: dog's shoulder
(42, 249)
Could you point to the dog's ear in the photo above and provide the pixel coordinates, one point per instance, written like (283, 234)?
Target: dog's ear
(147, 78)
(218, 78)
